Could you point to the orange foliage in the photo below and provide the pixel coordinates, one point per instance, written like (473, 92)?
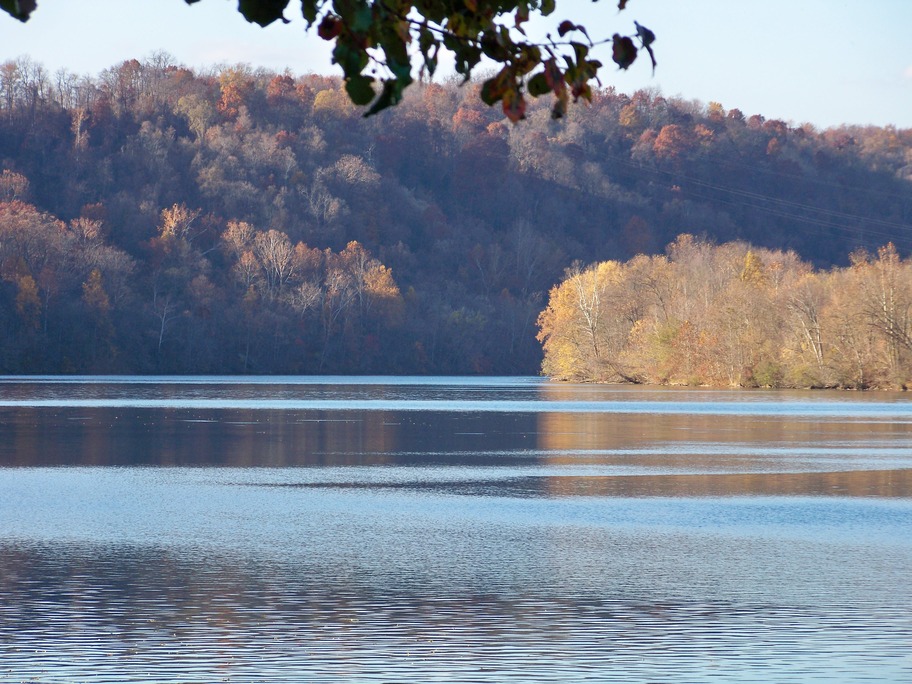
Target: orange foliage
(673, 141)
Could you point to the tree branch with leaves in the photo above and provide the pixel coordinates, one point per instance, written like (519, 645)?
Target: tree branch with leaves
(378, 43)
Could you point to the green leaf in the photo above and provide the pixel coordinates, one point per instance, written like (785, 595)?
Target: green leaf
(356, 14)
(581, 51)
(427, 43)
(554, 76)
(529, 57)
(565, 27)
(431, 64)
(492, 46)
(623, 51)
(514, 105)
(646, 36)
(491, 92)
(397, 58)
(263, 12)
(457, 25)
(652, 57)
(467, 56)
(582, 89)
(389, 96)
(359, 89)
(426, 39)
(494, 88)
(309, 11)
(363, 18)
(21, 9)
(522, 14)
(351, 59)
(538, 85)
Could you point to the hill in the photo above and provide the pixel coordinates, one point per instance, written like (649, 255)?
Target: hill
(160, 219)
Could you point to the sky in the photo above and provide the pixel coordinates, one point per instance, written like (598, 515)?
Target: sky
(824, 62)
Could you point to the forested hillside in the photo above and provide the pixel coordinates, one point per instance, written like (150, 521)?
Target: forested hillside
(159, 219)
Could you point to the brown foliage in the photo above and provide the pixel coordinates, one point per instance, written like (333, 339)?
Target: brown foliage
(730, 315)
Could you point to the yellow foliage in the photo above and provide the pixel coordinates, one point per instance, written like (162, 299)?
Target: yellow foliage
(719, 315)
(556, 324)
(28, 304)
(379, 283)
(381, 287)
(333, 102)
(176, 222)
(753, 269)
(94, 295)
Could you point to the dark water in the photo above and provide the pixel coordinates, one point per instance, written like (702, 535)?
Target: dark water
(467, 530)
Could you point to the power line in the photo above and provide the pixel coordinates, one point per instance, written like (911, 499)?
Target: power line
(777, 206)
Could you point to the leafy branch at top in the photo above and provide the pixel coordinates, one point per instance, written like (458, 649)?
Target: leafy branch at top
(372, 35)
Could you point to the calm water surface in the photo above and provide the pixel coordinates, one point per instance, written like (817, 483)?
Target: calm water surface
(450, 529)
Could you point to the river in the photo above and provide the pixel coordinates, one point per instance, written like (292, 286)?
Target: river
(371, 529)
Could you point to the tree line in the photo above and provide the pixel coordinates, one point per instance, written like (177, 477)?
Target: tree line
(157, 218)
(74, 296)
(732, 315)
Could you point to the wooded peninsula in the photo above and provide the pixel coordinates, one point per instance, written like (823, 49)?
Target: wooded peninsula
(733, 316)
(159, 219)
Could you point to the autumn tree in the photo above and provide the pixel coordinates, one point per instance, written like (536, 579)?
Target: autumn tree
(886, 297)
(732, 315)
(177, 222)
(338, 308)
(276, 257)
(235, 85)
(13, 186)
(809, 350)
(96, 300)
(586, 325)
(672, 142)
(855, 352)
(28, 304)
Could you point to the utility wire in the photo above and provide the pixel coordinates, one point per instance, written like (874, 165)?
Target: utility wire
(779, 207)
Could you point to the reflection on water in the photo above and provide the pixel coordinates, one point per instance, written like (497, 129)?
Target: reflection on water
(149, 615)
(171, 437)
(701, 455)
(381, 541)
(539, 453)
(887, 483)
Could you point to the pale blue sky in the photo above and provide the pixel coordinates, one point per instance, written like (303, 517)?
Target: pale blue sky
(821, 61)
